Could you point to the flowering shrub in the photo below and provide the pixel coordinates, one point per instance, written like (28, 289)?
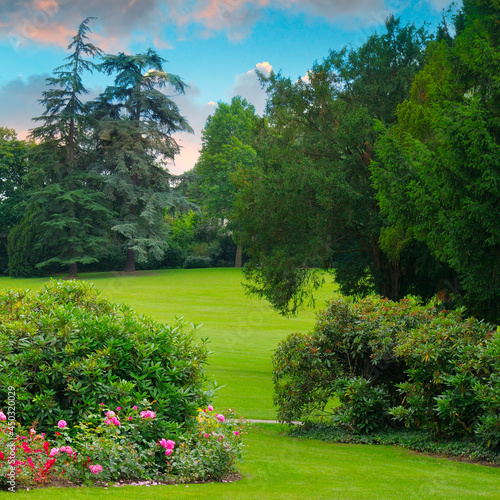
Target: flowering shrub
(119, 444)
(68, 349)
(210, 453)
(394, 363)
(30, 454)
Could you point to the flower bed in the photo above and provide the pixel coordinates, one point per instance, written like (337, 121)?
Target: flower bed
(121, 444)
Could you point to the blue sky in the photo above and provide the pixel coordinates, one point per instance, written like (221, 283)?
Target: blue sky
(214, 45)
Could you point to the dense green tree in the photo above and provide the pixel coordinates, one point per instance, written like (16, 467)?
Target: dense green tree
(13, 169)
(136, 121)
(66, 201)
(226, 146)
(309, 203)
(439, 178)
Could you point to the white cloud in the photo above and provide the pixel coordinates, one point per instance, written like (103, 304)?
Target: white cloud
(18, 103)
(53, 22)
(247, 85)
(196, 114)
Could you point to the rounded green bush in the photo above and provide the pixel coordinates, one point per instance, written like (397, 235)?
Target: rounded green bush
(393, 362)
(66, 349)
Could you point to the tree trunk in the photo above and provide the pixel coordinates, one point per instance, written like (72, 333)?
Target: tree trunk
(130, 264)
(73, 271)
(239, 256)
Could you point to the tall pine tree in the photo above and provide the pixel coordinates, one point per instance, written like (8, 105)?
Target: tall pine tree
(67, 203)
(136, 122)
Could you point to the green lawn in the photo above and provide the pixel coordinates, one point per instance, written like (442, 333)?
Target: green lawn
(243, 333)
(278, 467)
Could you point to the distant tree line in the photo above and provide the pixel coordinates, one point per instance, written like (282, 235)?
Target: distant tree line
(381, 166)
(90, 188)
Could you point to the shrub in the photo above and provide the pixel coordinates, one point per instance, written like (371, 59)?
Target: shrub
(363, 406)
(197, 262)
(123, 444)
(65, 349)
(211, 452)
(425, 368)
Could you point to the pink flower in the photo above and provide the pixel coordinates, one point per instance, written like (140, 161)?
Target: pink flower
(134, 407)
(101, 404)
(130, 418)
(110, 414)
(205, 435)
(2, 416)
(170, 444)
(148, 414)
(115, 421)
(220, 417)
(210, 408)
(119, 408)
(220, 439)
(95, 469)
(63, 449)
(163, 442)
(168, 452)
(62, 424)
(53, 451)
(236, 433)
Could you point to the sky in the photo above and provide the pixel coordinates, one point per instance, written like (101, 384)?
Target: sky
(213, 45)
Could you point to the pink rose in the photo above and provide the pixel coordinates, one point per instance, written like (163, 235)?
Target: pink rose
(62, 424)
(220, 417)
(163, 442)
(236, 433)
(168, 452)
(53, 451)
(119, 408)
(134, 407)
(210, 408)
(110, 414)
(170, 445)
(206, 435)
(95, 469)
(130, 418)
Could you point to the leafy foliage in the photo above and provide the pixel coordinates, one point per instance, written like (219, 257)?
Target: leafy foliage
(135, 121)
(426, 368)
(13, 168)
(420, 441)
(311, 184)
(66, 349)
(438, 175)
(66, 200)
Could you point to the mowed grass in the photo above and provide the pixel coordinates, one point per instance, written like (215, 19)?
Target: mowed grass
(243, 331)
(278, 467)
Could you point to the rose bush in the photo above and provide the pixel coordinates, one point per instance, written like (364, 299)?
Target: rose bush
(124, 443)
